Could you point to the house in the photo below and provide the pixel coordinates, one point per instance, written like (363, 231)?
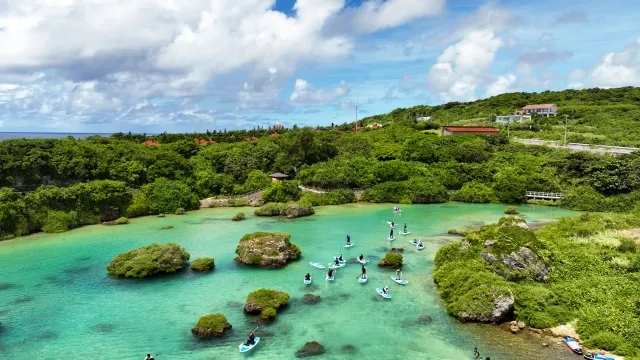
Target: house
(278, 126)
(278, 176)
(459, 130)
(423, 118)
(504, 119)
(541, 109)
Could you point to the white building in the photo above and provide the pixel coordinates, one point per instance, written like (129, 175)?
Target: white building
(541, 109)
(503, 119)
(423, 118)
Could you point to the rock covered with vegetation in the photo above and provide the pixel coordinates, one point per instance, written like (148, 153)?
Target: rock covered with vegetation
(203, 264)
(149, 260)
(238, 217)
(266, 302)
(120, 221)
(267, 249)
(290, 210)
(511, 210)
(312, 348)
(212, 325)
(391, 259)
(581, 268)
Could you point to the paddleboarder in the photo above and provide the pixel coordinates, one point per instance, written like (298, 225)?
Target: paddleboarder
(149, 357)
(385, 290)
(405, 228)
(391, 234)
(398, 272)
(361, 257)
(476, 354)
(307, 277)
(336, 261)
(364, 272)
(251, 340)
(330, 274)
(348, 239)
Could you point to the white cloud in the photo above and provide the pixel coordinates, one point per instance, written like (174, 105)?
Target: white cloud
(375, 15)
(463, 65)
(614, 69)
(501, 85)
(304, 94)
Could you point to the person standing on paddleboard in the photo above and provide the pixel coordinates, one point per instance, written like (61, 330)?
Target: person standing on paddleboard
(348, 239)
(398, 272)
(405, 228)
(364, 271)
(330, 274)
(391, 233)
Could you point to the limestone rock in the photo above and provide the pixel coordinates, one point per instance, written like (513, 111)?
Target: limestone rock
(266, 249)
(312, 348)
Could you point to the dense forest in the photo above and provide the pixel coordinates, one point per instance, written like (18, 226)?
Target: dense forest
(56, 184)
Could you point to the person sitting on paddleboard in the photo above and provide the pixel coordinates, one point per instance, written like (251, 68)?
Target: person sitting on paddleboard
(348, 239)
(420, 242)
(398, 274)
(330, 273)
(361, 257)
(251, 339)
(336, 261)
(307, 277)
(340, 258)
(385, 290)
(476, 354)
(149, 357)
(392, 223)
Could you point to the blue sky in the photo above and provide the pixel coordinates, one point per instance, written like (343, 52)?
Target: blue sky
(164, 65)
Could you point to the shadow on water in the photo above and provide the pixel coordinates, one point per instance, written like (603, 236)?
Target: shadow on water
(23, 299)
(349, 349)
(102, 328)
(49, 335)
(7, 286)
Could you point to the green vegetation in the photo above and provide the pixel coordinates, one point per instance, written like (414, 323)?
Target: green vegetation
(238, 217)
(580, 268)
(391, 259)
(290, 210)
(149, 260)
(266, 302)
(511, 210)
(121, 221)
(203, 264)
(237, 202)
(211, 325)
(64, 183)
(267, 249)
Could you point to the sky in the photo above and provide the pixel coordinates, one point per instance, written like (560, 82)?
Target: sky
(185, 66)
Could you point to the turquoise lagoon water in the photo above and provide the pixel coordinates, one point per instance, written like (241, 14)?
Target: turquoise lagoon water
(57, 302)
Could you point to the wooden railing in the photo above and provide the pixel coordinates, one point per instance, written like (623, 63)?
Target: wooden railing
(544, 195)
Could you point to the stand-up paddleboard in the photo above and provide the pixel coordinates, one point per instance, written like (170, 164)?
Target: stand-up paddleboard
(399, 281)
(420, 247)
(341, 261)
(307, 282)
(413, 242)
(331, 278)
(334, 266)
(244, 348)
(363, 261)
(350, 245)
(386, 296)
(405, 233)
(363, 280)
(317, 265)
(391, 239)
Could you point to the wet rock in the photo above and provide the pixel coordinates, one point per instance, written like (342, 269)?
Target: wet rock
(166, 227)
(521, 325)
(312, 348)
(349, 349)
(103, 328)
(7, 286)
(514, 328)
(311, 299)
(424, 319)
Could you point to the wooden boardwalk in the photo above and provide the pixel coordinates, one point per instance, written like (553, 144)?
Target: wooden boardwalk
(544, 195)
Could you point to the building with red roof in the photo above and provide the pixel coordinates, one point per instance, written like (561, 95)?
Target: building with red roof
(458, 130)
(541, 109)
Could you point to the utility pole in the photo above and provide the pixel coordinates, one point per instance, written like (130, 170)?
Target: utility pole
(565, 129)
(356, 113)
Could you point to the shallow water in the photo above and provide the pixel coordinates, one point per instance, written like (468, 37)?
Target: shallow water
(56, 301)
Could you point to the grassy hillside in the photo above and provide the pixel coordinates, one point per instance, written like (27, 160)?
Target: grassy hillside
(596, 116)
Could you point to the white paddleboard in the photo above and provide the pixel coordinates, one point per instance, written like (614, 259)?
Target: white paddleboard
(399, 281)
(386, 296)
(341, 261)
(350, 245)
(391, 239)
(363, 280)
(405, 233)
(334, 266)
(420, 247)
(331, 278)
(307, 282)
(363, 261)
(317, 265)
(245, 348)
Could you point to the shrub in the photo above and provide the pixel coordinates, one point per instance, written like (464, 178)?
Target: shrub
(166, 196)
(266, 302)
(511, 210)
(203, 264)
(268, 313)
(59, 221)
(149, 260)
(238, 217)
(256, 180)
(391, 259)
(211, 325)
(269, 209)
(180, 211)
(627, 245)
(334, 197)
(121, 221)
(606, 340)
(291, 210)
(237, 202)
(140, 205)
(282, 191)
(474, 192)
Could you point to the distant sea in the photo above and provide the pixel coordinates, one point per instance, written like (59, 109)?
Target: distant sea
(45, 135)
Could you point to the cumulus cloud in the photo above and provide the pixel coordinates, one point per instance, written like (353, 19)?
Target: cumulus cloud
(374, 15)
(501, 85)
(614, 69)
(463, 65)
(305, 94)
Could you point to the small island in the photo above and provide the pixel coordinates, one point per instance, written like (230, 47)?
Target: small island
(290, 210)
(203, 264)
(238, 217)
(266, 302)
(212, 325)
(149, 260)
(391, 259)
(267, 250)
